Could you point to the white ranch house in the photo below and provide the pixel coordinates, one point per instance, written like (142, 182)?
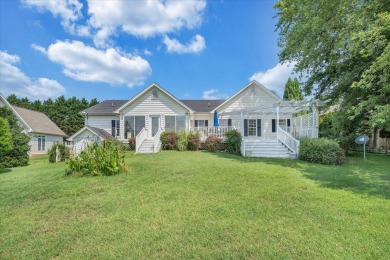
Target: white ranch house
(42, 131)
(267, 124)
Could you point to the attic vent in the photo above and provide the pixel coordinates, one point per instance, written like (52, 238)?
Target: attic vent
(253, 90)
(154, 94)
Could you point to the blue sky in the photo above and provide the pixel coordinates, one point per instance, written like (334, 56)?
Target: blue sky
(113, 49)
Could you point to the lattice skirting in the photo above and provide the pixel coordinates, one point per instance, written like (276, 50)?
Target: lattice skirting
(221, 146)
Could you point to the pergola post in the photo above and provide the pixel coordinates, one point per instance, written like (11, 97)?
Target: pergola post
(313, 133)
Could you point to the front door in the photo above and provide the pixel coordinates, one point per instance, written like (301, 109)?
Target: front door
(155, 124)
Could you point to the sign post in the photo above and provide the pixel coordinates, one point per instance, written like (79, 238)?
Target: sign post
(363, 139)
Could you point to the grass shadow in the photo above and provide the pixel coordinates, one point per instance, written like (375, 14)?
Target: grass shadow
(369, 177)
(5, 170)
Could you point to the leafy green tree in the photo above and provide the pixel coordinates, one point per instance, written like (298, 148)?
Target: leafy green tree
(343, 47)
(292, 90)
(5, 137)
(17, 155)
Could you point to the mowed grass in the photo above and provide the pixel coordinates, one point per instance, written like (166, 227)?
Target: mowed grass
(198, 205)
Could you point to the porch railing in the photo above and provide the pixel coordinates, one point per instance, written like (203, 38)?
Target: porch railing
(288, 140)
(142, 136)
(156, 140)
(218, 131)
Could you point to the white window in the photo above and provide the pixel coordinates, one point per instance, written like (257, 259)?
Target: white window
(175, 123)
(201, 123)
(115, 127)
(252, 127)
(133, 125)
(225, 122)
(41, 142)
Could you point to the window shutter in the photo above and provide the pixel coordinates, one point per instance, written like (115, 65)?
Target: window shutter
(113, 128)
(206, 123)
(229, 122)
(288, 122)
(258, 127)
(196, 123)
(245, 127)
(273, 125)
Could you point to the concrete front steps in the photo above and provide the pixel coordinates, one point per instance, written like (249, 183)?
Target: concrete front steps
(147, 147)
(267, 149)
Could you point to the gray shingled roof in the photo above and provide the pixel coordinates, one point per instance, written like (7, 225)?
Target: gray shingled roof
(101, 132)
(109, 106)
(39, 122)
(202, 105)
(105, 107)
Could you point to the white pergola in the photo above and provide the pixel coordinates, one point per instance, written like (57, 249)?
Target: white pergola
(281, 107)
(307, 123)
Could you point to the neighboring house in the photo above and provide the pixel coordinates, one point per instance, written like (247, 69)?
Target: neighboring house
(42, 131)
(264, 120)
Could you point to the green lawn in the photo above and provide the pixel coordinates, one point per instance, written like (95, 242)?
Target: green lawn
(198, 205)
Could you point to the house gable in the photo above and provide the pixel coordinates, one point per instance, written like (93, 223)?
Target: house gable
(154, 100)
(252, 95)
(23, 123)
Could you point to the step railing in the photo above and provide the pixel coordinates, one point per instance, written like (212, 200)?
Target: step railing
(140, 138)
(288, 140)
(156, 140)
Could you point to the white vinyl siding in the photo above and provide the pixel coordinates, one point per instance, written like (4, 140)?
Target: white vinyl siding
(49, 141)
(102, 122)
(156, 103)
(253, 96)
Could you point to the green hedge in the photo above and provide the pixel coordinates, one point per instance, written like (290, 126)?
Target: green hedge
(233, 138)
(321, 150)
(64, 153)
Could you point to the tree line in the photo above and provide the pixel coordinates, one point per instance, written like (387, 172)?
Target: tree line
(63, 112)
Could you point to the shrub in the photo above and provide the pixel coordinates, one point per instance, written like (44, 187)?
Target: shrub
(182, 141)
(233, 139)
(193, 141)
(17, 155)
(104, 159)
(212, 143)
(169, 140)
(320, 150)
(63, 153)
(132, 143)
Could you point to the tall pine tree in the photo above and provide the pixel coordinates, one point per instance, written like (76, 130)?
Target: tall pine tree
(292, 90)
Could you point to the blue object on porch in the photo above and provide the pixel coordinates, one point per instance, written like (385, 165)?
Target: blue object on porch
(216, 123)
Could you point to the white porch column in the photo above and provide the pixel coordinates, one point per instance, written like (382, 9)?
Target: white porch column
(121, 127)
(242, 125)
(277, 120)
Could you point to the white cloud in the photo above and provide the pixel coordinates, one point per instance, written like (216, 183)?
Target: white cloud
(276, 77)
(196, 45)
(139, 18)
(69, 11)
(146, 18)
(86, 63)
(14, 81)
(147, 52)
(213, 94)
